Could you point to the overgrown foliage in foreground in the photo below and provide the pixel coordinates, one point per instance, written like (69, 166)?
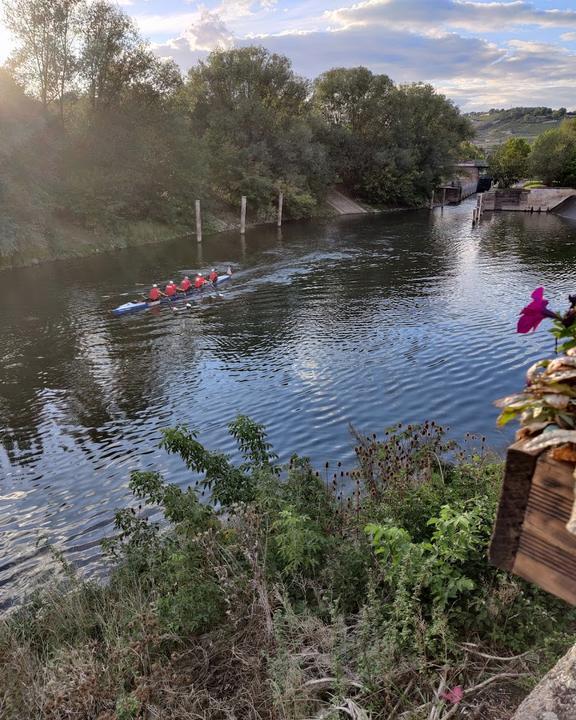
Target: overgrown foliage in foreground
(297, 594)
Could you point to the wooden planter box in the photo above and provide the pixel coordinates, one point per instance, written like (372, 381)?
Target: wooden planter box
(530, 537)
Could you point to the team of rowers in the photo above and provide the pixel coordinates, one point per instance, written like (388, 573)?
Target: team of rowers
(186, 286)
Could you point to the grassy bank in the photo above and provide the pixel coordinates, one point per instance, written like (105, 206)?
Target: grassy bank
(59, 241)
(27, 245)
(297, 594)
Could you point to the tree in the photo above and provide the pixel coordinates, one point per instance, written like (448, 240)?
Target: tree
(44, 58)
(553, 157)
(469, 151)
(250, 110)
(388, 144)
(114, 59)
(354, 99)
(509, 162)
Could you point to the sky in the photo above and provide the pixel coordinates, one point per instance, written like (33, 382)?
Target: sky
(480, 53)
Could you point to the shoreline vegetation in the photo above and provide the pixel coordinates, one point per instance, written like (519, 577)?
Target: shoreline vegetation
(99, 137)
(292, 594)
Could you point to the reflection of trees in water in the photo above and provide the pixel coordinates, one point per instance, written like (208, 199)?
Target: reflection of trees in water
(59, 334)
(316, 278)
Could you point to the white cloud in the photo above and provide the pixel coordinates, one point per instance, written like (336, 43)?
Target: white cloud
(474, 72)
(206, 32)
(462, 14)
(569, 36)
(209, 32)
(233, 9)
(172, 24)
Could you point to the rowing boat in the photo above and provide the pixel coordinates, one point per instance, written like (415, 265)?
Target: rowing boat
(137, 305)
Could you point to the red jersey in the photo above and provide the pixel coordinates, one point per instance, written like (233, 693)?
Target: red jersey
(199, 282)
(185, 285)
(154, 294)
(213, 276)
(170, 290)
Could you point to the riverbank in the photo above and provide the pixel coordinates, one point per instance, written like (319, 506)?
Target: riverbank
(364, 593)
(32, 245)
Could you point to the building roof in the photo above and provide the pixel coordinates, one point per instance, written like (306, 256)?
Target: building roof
(473, 163)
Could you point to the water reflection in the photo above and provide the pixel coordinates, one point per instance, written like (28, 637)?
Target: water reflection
(368, 320)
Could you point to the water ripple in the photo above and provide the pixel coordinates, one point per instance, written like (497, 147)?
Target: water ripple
(368, 321)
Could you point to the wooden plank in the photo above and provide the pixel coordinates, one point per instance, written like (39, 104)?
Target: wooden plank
(556, 477)
(530, 536)
(520, 467)
(547, 566)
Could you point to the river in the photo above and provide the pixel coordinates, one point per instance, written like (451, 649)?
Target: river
(367, 320)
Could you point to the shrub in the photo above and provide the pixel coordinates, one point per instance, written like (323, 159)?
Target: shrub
(282, 597)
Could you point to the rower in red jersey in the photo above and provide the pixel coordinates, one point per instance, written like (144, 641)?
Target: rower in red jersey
(213, 277)
(200, 281)
(155, 293)
(170, 289)
(185, 285)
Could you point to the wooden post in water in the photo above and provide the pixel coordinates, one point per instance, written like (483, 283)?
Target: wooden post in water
(280, 207)
(443, 198)
(198, 222)
(432, 200)
(243, 216)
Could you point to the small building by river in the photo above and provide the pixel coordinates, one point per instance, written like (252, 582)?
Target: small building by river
(469, 177)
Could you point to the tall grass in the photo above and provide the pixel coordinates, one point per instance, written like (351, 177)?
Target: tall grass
(304, 594)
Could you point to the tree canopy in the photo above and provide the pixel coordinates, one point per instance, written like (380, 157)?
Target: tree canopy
(125, 137)
(509, 162)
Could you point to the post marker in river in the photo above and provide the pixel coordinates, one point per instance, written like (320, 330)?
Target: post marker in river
(198, 222)
(280, 206)
(243, 215)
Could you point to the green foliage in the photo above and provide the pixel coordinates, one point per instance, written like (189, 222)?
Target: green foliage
(554, 155)
(228, 484)
(388, 144)
(470, 151)
(117, 136)
(127, 707)
(296, 583)
(495, 126)
(437, 565)
(299, 542)
(509, 162)
(250, 109)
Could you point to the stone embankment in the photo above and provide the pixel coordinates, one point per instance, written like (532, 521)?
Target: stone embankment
(554, 698)
(343, 205)
(522, 200)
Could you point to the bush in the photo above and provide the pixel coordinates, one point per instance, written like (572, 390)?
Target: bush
(289, 596)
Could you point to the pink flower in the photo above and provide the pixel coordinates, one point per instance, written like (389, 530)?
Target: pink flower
(532, 315)
(453, 696)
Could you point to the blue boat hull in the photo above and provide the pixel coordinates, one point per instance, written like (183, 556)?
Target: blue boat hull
(137, 305)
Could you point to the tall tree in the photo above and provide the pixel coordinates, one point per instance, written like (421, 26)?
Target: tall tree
(509, 163)
(250, 108)
(44, 57)
(388, 144)
(354, 98)
(115, 61)
(109, 48)
(553, 157)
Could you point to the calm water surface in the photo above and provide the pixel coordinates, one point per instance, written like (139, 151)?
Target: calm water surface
(368, 320)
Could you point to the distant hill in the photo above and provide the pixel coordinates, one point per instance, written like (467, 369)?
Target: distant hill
(496, 126)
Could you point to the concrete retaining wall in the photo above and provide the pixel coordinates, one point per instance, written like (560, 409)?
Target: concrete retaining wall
(518, 199)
